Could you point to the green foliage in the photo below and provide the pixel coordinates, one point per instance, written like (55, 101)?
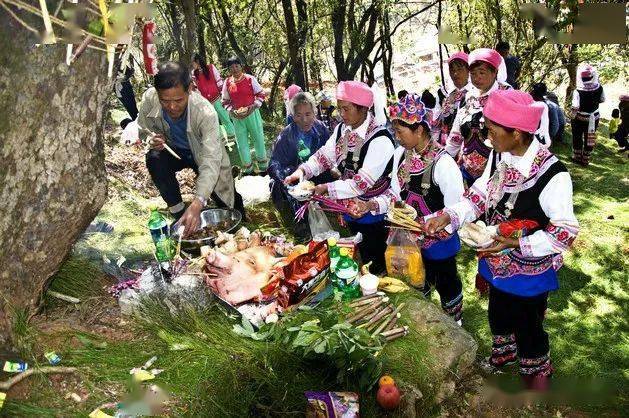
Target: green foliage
(318, 334)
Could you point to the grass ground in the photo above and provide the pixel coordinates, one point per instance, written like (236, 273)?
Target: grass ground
(222, 374)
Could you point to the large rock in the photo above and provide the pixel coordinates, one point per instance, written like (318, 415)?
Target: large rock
(430, 361)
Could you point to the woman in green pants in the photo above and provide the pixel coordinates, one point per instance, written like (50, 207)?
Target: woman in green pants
(210, 85)
(242, 97)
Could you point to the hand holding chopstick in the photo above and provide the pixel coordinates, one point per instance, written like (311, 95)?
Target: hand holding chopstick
(158, 142)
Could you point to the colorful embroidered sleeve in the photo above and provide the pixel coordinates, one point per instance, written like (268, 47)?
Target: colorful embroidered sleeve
(472, 206)
(217, 77)
(455, 139)
(558, 236)
(258, 92)
(378, 155)
(322, 160)
(226, 99)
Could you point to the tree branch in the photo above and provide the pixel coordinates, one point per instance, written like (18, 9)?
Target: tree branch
(6, 385)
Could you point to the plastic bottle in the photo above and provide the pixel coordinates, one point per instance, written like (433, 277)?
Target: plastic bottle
(160, 234)
(346, 275)
(303, 151)
(333, 253)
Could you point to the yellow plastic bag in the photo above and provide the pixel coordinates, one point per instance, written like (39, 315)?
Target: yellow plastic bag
(404, 258)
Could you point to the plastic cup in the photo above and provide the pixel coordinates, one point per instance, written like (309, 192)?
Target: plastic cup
(369, 284)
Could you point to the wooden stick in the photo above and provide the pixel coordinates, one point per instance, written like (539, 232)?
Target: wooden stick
(169, 149)
(373, 322)
(386, 323)
(374, 316)
(365, 302)
(6, 385)
(392, 324)
(363, 298)
(370, 308)
(393, 331)
(63, 297)
(396, 336)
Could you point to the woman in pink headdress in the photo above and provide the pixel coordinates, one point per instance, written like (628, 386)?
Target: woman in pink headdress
(362, 151)
(525, 195)
(289, 93)
(468, 140)
(460, 75)
(585, 101)
(427, 179)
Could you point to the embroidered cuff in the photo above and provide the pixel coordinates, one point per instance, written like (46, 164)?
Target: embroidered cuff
(455, 222)
(332, 192)
(306, 170)
(526, 248)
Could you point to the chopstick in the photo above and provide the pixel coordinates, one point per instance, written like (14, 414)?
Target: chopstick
(169, 149)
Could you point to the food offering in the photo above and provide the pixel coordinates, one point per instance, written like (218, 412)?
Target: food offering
(478, 235)
(302, 191)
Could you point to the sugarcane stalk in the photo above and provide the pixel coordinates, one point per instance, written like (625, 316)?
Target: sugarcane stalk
(392, 324)
(365, 300)
(385, 324)
(367, 317)
(393, 331)
(378, 316)
(396, 336)
(370, 308)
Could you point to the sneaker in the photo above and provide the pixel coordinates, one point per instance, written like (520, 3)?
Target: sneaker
(459, 322)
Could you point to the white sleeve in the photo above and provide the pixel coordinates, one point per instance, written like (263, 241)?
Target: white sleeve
(563, 227)
(393, 193)
(576, 101)
(258, 92)
(217, 77)
(455, 139)
(543, 128)
(472, 206)
(226, 99)
(378, 155)
(323, 159)
(449, 179)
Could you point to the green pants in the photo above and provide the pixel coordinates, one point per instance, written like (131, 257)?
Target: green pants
(251, 127)
(223, 116)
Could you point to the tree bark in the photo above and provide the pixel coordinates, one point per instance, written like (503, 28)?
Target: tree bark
(52, 175)
(190, 40)
(200, 31)
(294, 50)
(175, 28)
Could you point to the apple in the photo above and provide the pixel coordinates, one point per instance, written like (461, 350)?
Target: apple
(388, 397)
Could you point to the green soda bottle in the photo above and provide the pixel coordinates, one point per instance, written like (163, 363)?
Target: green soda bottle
(346, 274)
(161, 237)
(303, 151)
(333, 253)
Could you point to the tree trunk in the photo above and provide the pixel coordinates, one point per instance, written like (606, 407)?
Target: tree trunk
(190, 40)
(52, 175)
(200, 32)
(498, 15)
(387, 53)
(571, 67)
(176, 28)
(294, 50)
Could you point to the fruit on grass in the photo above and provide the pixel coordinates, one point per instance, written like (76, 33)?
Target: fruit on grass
(386, 380)
(388, 397)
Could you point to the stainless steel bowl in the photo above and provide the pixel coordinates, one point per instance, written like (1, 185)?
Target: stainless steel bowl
(212, 217)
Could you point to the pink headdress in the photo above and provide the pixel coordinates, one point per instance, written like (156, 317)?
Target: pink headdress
(291, 91)
(513, 109)
(488, 55)
(410, 109)
(355, 92)
(458, 56)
